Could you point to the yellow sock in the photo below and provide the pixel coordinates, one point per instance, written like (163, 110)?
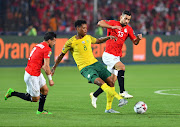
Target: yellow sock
(109, 100)
(107, 89)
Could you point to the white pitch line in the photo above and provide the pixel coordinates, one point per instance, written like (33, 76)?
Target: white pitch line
(162, 92)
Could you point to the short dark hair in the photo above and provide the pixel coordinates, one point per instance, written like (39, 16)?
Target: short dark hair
(49, 35)
(78, 23)
(126, 13)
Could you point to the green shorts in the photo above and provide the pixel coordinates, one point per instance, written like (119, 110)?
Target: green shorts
(96, 70)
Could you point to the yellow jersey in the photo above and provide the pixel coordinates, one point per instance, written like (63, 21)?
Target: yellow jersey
(81, 50)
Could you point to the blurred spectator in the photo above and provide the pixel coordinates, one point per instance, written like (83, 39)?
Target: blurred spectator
(31, 31)
(53, 23)
(154, 16)
(99, 31)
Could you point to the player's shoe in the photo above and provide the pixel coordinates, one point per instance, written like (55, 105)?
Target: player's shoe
(126, 95)
(122, 102)
(93, 100)
(8, 94)
(43, 112)
(111, 111)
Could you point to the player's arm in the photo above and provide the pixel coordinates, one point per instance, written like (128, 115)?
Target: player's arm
(47, 70)
(102, 23)
(65, 49)
(104, 39)
(58, 60)
(137, 39)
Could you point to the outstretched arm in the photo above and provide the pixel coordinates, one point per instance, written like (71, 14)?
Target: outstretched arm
(103, 39)
(138, 38)
(102, 23)
(58, 60)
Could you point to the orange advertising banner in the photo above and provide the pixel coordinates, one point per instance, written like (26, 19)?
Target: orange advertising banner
(139, 51)
(58, 48)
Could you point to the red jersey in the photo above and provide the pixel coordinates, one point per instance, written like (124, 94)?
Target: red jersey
(115, 47)
(36, 58)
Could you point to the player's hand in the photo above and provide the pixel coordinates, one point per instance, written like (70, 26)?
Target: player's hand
(139, 36)
(113, 38)
(116, 27)
(52, 71)
(51, 82)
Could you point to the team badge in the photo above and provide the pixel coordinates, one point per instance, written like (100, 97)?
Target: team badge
(49, 53)
(83, 42)
(125, 30)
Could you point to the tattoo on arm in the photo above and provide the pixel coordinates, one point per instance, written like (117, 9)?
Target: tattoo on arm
(102, 39)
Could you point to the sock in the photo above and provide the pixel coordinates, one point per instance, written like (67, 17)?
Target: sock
(23, 96)
(41, 102)
(111, 92)
(120, 78)
(109, 100)
(98, 92)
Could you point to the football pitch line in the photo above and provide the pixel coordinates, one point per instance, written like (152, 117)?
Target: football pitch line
(163, 92)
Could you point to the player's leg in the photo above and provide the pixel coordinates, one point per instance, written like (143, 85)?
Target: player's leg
(24, 96)
(110, 60)
(43, 94)
(107, 89)
(121, 70)
(99, 90)
(105, 75)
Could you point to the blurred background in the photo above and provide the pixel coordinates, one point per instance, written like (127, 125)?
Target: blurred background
(148, 16)
(24, 22)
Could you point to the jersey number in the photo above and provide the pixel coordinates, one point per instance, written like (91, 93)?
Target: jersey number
(32, 52)
(120, 34)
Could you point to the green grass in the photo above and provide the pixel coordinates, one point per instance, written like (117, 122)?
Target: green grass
(69, 100)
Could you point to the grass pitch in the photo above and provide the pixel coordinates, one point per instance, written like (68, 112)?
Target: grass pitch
(70, 104)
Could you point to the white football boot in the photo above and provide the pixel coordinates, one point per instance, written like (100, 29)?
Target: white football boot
(93, 100)
(125, 95)
(111, 111)
(122, 102)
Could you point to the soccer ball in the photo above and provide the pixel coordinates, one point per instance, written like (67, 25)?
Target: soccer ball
(140, 107)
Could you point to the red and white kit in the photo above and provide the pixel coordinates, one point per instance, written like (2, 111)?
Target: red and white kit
(33, 77)
(113, 50)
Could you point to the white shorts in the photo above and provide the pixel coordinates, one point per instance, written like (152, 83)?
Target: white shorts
(110, 60)
(34, 83)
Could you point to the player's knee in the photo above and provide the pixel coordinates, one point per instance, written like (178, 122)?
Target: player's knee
(35, 99)
(99, 81)
(123, 67)
(110, 81)
(120, 67)
(45, 92)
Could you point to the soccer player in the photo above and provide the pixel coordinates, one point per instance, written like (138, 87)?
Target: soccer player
(34, 79)
(113, 52)
(88, 65)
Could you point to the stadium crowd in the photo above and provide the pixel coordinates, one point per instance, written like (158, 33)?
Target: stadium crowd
(148, 16)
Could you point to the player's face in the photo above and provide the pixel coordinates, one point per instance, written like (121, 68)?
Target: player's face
(82, 30)
(125, 19)
(52, 42)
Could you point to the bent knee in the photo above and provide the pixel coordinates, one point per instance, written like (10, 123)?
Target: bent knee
(35, 99)
(45, 91)
(120, 67)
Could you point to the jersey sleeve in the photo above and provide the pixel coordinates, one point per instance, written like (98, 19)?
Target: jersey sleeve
(47, 53)
(93, 39)
(131, 34)
(67, 46)
(110, 22)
